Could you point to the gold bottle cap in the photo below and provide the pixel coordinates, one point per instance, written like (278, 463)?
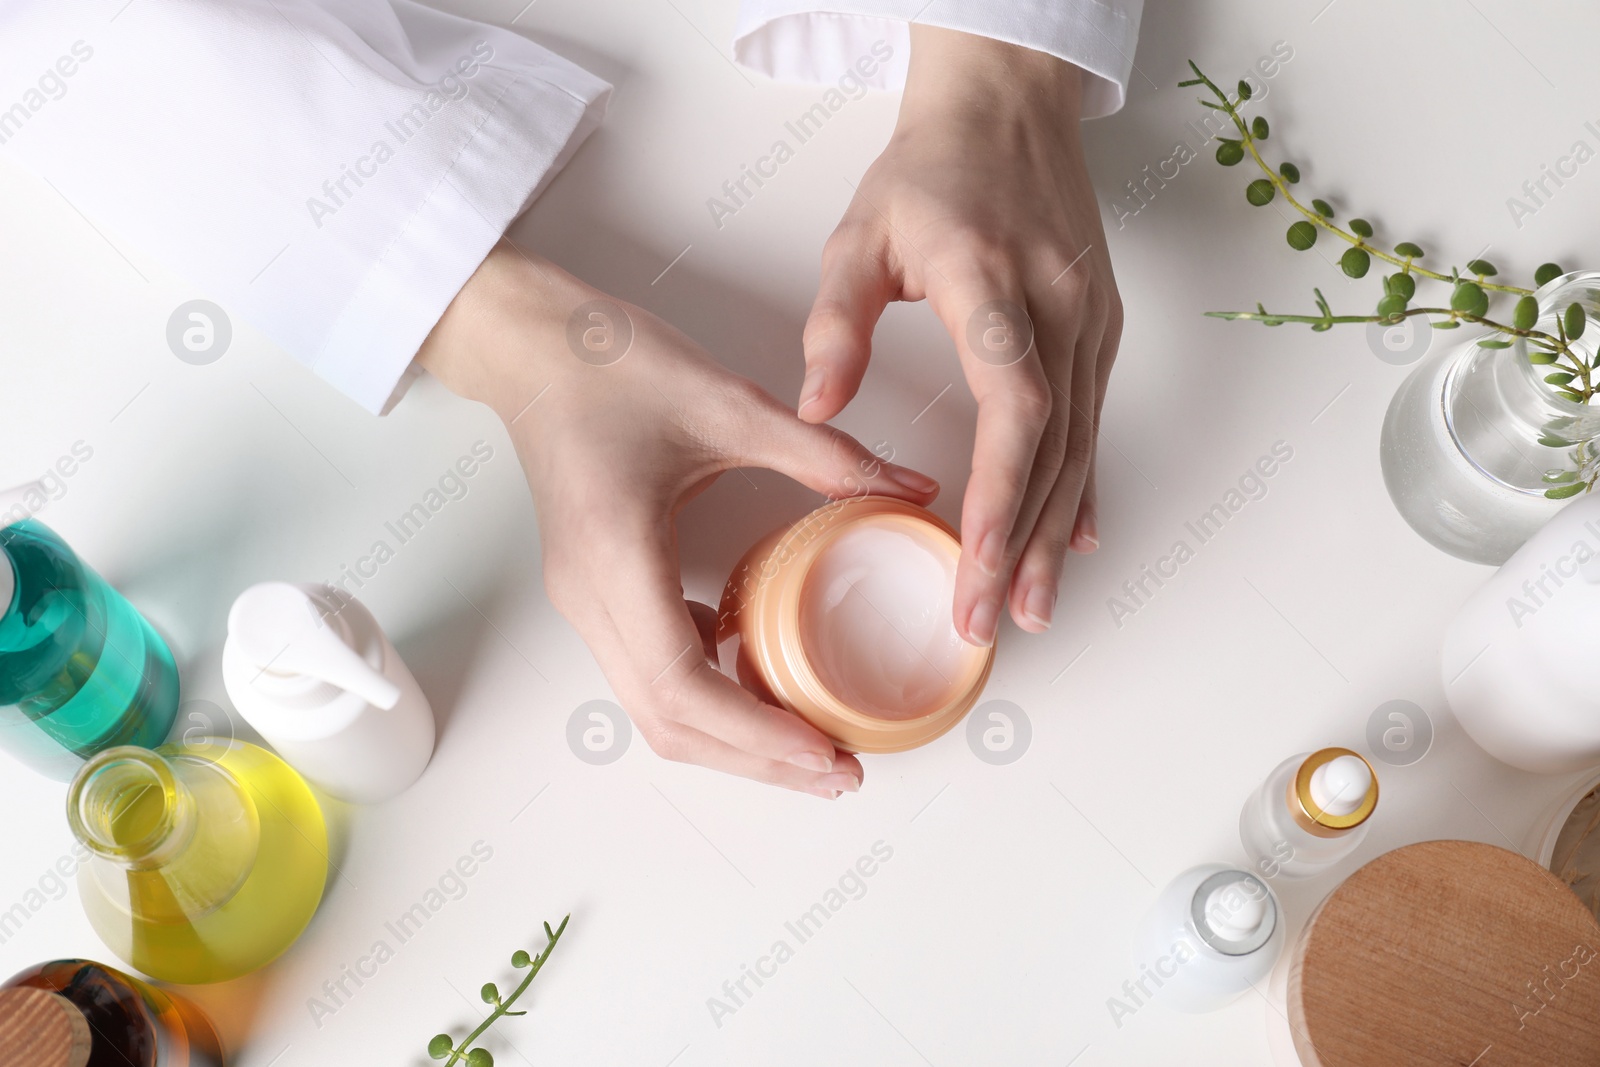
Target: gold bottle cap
(42, 1029)
(1309, 815)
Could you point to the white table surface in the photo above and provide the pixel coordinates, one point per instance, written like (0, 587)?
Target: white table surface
(1002, 923)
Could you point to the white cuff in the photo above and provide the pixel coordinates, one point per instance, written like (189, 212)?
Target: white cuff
(795, 40)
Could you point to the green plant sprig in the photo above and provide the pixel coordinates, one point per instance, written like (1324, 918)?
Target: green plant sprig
(1570, 375)
(1249, 136)
(444, 1047)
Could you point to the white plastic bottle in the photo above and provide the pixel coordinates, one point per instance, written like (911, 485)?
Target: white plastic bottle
(1214, 932)
(1309, 814)
(310, 669)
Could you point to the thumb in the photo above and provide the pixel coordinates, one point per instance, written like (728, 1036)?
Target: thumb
(856, 286)
(826, 459)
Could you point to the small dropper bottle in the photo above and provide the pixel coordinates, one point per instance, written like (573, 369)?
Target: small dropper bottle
(1309, 814)
(1213, 933)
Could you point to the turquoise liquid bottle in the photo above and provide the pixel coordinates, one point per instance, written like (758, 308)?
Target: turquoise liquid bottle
(80, 669)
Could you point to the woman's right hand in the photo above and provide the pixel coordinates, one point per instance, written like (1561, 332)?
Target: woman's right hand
(620, 420)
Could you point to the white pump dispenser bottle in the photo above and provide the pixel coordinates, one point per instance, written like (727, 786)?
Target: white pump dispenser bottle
(310, 669)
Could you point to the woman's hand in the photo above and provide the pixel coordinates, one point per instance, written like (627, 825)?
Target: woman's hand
(619, 420)
(981, 204)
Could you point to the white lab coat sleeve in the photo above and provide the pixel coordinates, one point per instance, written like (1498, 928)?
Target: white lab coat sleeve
(870, 40)
(330, 171)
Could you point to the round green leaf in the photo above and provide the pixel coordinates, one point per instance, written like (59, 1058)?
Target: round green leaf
(1361, 227)
(1525, 314)
(1470, 298)
(1302, 235)
(1575, 321)
(490, 993)
(1260, 192)
(1561, 492)
(1560, 377)
(1540, 358)
(440, 1046)
(1482, 267)
(520, 958)
(1229, 153)
(1391, 305)
(1290, 172)
(1402, 285)
(1259, 128)
(1355, 262)
(1244, 89)
(1323, 208)
(1547, 273)
(1407, 249)
(480, 1057)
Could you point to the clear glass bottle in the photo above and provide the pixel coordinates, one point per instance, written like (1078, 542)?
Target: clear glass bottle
(208, 859)
(80, 669)
(1309, 814)
(1471, 433)
(129, 1023)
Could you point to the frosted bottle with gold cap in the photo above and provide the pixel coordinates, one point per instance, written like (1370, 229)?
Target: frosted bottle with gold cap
(1309, 814)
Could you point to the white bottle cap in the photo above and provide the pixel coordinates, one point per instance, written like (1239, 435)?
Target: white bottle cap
(1340, 786)
(278, 628)
(1235, 914)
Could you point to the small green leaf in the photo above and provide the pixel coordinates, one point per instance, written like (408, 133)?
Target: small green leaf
(1290, 172)
(440, 1046)
(1402, 285)
(1229, 153)
(1445, 324)
(490, 993)
(1494, 344)
(1244, 89)
(520, 958)
(1259, 128)
(1547, 273)
(1550, 440)
(480, 1057)
(1355, 262)
(1260, 192)
(1482, 267)
(1557, 476)
(1572, 395)
(1560, 377)
(1540, 358)
(1575, 321)
(1407, 249)
(1561, 492)
(1302, 235)
(1361, 227)
(1392, 305)
(1323, 208)
(1525, 314)
(1469, 298)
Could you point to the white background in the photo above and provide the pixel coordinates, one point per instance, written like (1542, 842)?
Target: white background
(1002, 924)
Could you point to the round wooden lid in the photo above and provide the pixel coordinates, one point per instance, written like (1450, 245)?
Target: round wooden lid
(42, 1029)
(1447, 952)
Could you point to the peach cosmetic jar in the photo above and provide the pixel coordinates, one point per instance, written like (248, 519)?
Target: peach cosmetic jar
(844, 618)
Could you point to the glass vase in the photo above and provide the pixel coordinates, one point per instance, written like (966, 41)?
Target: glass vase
(1474, 436)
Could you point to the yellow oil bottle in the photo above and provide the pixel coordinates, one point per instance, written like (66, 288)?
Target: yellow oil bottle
(208, 858)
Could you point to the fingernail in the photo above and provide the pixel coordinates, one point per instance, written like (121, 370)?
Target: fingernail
(982, 622)
(811, 761)
(841, 781)
(1039, 605)
(912, 480)
(811, 389)
(1087, 538)
(990, 552)
(825, 794)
